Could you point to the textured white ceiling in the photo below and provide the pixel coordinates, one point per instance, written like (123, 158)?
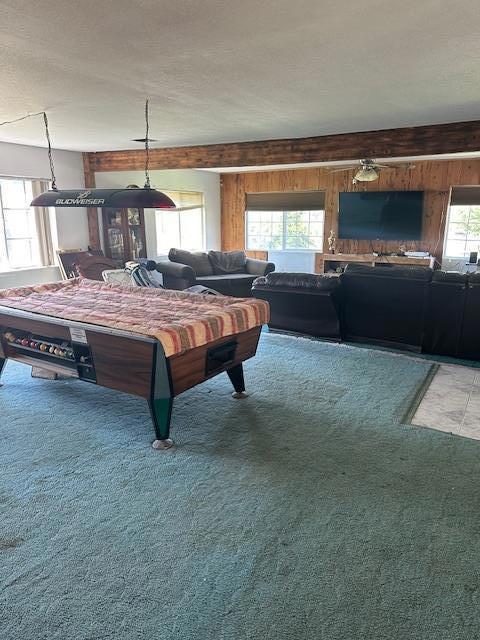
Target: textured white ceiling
(233, 70)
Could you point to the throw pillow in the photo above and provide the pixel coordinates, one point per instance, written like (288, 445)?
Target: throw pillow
(198, 260)
(224, 262)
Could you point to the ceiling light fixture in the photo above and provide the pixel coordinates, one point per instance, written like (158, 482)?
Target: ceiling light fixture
(142, 198)
(365, 174)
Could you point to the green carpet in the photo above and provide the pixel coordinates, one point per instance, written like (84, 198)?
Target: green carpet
(306, 512)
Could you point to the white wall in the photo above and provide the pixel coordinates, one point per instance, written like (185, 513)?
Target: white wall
(27, 277)
(70, 224)
(182, 179)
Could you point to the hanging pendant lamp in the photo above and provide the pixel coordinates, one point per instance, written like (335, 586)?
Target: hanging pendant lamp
(141, 198)
(137, 197)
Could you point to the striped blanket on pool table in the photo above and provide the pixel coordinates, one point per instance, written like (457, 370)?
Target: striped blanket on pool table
(179, 320)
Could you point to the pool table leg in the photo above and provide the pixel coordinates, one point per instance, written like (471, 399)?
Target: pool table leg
(236, 378)
(161, 401)
(3, 362)
(161, 412)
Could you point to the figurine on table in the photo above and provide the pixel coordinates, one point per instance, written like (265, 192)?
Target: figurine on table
(332, 241)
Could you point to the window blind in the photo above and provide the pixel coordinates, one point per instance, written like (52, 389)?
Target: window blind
(185, 200)
(465, 196)
(286, 201)
(42, 219)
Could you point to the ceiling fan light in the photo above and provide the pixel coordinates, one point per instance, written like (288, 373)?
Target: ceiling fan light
(366, 174)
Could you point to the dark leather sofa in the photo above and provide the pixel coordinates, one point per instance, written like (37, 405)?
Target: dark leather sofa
(469, 341)
(302, 302)
(446, 310)
(228, 272)
(405, 307)
(385, 305)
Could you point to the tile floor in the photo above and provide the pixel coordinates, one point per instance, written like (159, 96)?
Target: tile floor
(452, 402)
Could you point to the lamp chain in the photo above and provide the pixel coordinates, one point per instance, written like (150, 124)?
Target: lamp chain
(50, 157)
(147, 148)
(47, 133)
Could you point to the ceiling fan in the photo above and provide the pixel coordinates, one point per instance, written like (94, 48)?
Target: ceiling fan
(369, 170)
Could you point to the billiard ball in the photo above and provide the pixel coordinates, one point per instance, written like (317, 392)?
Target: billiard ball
(43, 347)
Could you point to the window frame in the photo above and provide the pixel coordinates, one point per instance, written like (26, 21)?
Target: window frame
(468, 239)
(285, 236)
(179, 210)
(43, 233)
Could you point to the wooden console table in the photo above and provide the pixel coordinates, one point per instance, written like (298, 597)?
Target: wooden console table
(333, 260)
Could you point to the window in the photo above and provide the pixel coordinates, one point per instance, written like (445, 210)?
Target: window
(284, 230)
(463, 231)
(182, 228)
(25, 239)
(284, 221)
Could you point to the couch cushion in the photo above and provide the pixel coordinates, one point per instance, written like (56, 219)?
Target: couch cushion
(198, 260)
(450, 277)
(410, 272)
(298, 281)
(244, 277)
(474, 278)
(224, 262)
(233, 284)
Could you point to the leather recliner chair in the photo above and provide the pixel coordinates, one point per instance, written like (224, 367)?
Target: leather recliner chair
(302, 302)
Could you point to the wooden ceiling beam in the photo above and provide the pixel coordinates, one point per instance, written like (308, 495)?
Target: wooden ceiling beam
(387, 143)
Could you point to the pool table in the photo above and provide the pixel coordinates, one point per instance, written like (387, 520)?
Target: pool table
(127, 360)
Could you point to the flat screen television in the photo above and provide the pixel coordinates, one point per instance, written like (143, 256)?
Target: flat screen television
(380, 215)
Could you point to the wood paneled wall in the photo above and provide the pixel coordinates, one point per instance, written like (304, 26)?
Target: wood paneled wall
(436, 178)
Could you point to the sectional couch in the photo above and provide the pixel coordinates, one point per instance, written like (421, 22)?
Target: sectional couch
(411, 308)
